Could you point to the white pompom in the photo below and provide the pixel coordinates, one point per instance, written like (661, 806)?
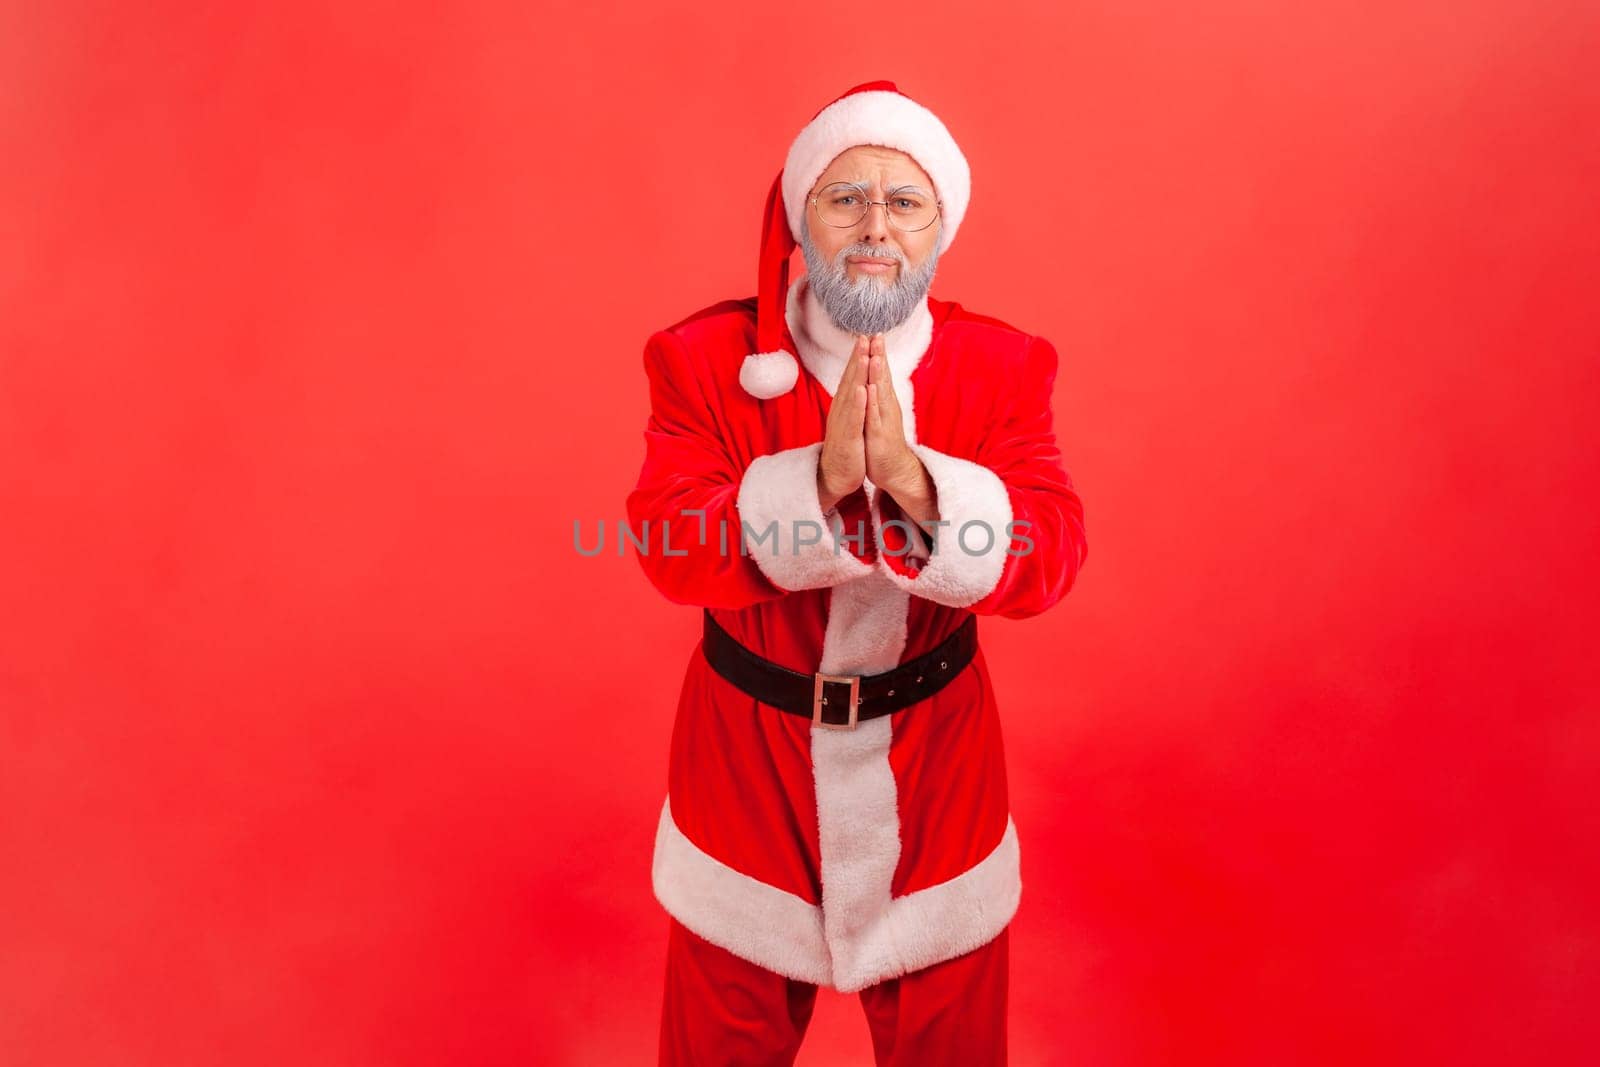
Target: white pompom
(769, 374)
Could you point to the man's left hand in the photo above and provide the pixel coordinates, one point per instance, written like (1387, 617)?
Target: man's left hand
(891, 464)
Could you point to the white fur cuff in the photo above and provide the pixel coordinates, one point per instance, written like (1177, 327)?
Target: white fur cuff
(970, 549)
(790, 539)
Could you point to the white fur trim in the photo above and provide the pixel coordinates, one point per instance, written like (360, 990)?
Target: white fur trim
(872, 936)
(784, 933)
(878, 117)
(940, 922)
(858, 817)
(751, 919)
(779, 490)
(966, 492)
(768, 374)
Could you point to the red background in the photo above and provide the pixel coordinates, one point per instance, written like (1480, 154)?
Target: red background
(320, 744)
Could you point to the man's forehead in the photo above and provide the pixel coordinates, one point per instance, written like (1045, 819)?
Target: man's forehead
(862, 163)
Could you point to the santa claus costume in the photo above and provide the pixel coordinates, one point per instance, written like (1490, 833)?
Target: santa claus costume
(792, 852)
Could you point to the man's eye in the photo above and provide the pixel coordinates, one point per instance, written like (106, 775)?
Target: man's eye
(906, 204)
(847, 200)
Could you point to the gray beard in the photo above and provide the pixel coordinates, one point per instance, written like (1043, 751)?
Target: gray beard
(869, 305)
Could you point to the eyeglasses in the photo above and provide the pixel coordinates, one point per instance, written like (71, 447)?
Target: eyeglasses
(842, 204)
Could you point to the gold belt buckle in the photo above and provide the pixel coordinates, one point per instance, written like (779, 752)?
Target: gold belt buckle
(817, 699)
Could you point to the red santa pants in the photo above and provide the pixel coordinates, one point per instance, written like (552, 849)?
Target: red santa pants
(722, 1011)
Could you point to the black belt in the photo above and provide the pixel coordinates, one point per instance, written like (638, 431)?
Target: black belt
(856, 696)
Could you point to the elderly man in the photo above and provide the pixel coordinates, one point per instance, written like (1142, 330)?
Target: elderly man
(843, 495)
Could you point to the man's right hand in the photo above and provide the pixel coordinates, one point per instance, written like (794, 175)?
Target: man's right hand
(843, 464)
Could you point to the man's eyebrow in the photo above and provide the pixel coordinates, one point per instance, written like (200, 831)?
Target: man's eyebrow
(893, 189)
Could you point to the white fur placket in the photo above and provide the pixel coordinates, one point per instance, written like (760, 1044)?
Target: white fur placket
(858, 816)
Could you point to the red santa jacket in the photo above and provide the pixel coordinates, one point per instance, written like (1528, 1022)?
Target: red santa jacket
(846, 857)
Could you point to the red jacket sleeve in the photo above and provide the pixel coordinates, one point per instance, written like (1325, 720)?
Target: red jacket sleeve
(762, 533)
(1012, 542)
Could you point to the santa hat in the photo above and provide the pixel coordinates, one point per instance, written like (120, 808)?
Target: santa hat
(874, 113)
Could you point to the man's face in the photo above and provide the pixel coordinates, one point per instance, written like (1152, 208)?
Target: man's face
(871, 276)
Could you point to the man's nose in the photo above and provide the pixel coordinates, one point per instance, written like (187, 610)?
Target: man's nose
(875, 226)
